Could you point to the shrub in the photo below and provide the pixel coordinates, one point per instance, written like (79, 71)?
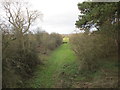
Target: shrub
(91, 48)
(18, 63)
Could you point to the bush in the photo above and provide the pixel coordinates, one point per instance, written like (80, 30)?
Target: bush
(19, 63)
(47, 42)
(91, 48)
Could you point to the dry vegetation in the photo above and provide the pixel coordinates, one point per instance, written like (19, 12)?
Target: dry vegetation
(20, 47)
(97, 52)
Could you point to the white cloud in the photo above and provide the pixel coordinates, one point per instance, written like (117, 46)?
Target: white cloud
(59, 15)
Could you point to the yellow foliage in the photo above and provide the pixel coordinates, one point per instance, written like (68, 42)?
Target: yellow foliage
(65, 39)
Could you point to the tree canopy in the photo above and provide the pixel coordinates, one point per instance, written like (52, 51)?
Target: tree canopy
(97, 13)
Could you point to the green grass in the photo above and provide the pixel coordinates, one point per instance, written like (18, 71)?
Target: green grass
(48, 75)
(61, 70)
(106, 75)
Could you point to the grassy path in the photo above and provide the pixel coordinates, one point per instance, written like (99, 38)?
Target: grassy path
(61, 70)
(51, 74)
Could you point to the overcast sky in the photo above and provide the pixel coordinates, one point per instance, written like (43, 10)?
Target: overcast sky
(59, 15)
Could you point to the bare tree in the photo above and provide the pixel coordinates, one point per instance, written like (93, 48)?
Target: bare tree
(20, 18)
